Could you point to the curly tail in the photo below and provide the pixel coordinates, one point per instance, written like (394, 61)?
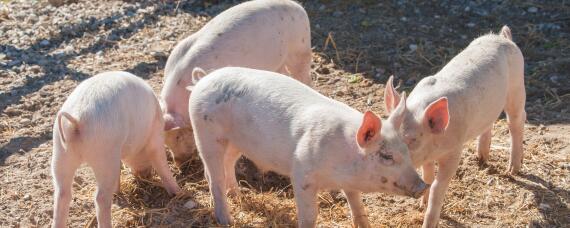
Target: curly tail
(197, 74)
(506, 33)
(69, 118)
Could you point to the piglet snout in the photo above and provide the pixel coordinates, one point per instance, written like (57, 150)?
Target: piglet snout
(419, 189)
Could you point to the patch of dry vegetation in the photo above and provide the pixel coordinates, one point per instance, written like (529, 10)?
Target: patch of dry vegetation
(357, 45)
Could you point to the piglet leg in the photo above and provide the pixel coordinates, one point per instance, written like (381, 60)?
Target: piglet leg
(428, 175)
(63, 170)
(484, 146)
(107, 175)
(359, 216)
(213, 153)
(306, 199)
(158, 161)
(230, 159)
(447, 167)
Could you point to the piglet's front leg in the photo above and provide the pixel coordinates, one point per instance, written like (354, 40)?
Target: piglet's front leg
(447, 168)
(306, 199)
(359, 216)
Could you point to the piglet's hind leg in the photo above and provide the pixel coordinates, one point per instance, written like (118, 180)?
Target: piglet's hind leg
(63, 170)
(107, 172)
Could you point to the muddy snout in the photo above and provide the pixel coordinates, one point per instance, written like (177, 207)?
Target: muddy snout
(415, 188)
(419, 189)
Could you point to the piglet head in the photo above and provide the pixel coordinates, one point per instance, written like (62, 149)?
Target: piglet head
(418, 125)
(181, 143)
(387, 159)
(175, 96)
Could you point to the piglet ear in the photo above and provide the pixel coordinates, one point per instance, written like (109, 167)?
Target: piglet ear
(369, 129)
(436, 115)
(197, 74)
(397, 115)
(391, 96)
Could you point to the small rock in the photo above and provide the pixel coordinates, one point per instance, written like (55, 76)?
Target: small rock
(339, 93)
(44, 43)
(532, 9)
(544, 206)
(43, 93)
(470, 24)
(404, 19)
(112, 37)
(413, 47)
(467, 9)
(322, 8)
(548, 26)
(190, 204)
(58, 53)
(35, 69)
(25, 121)
(27, 197)
(69, 49)
(369, 101)
(158, 54)
(555, 79)
(11, 111)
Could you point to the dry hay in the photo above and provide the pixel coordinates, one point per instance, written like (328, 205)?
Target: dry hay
(354, 54)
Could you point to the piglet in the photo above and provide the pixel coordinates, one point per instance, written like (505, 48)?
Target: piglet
(285, 126)
(110, 117)
(459, 103)
(271, 35)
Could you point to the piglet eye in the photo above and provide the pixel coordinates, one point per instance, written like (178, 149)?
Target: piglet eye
(386, 156)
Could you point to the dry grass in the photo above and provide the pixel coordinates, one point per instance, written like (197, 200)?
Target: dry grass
(353, 56)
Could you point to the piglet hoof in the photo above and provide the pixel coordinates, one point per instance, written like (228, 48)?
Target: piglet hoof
(222, 218)
(423, 203)
(361, 222)
(514, 169)
(482, 161)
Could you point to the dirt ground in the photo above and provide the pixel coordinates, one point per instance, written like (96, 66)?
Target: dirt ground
(46, 51)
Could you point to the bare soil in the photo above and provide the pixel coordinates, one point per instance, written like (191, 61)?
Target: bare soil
(46, 51)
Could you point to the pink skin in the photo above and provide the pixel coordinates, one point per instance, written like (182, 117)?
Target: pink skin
(110, 117)
(287, 127)
(459, 103)
(271, 35)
